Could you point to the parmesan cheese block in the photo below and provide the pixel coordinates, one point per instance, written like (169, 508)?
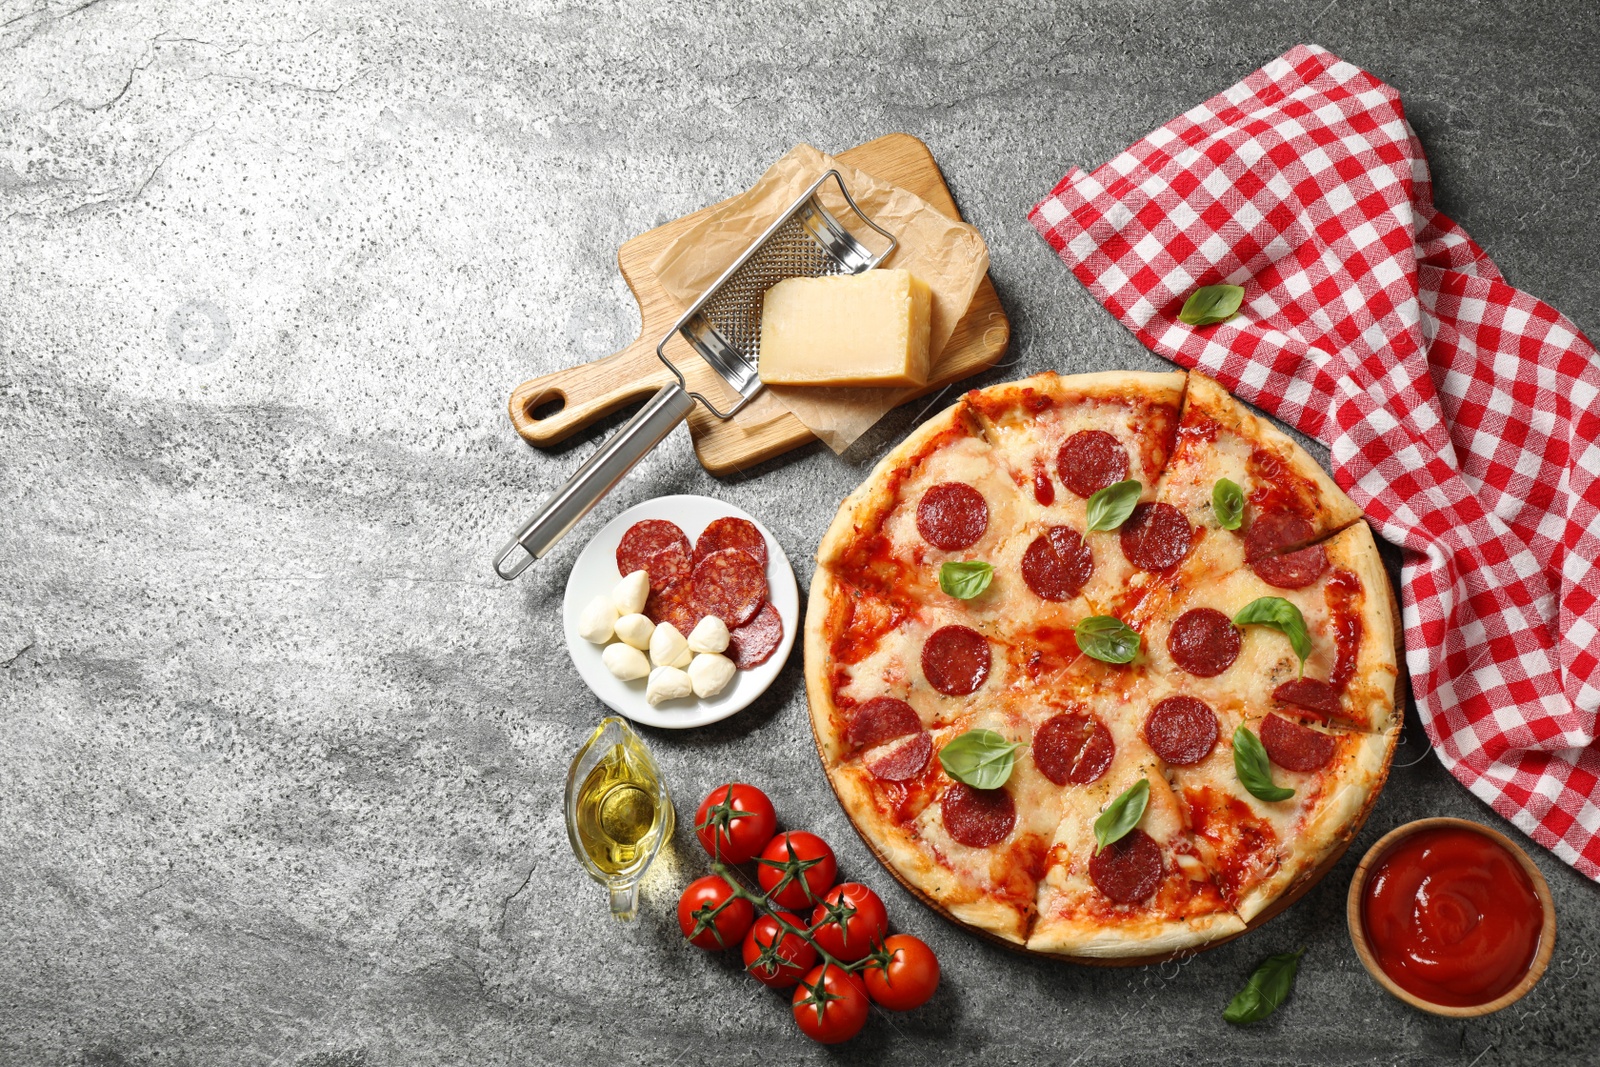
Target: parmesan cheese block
(848, 329)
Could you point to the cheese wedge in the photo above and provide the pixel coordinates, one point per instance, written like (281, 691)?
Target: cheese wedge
(848, 329)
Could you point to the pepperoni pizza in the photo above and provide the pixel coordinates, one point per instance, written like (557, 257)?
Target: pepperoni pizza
(1219, 514)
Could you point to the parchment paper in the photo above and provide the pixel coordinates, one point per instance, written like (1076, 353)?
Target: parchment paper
(949, 256)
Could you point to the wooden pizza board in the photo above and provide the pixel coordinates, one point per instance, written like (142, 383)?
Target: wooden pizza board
(764, 428)
(1294, 893)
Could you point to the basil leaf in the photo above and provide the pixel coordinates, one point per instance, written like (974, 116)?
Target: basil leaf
(981, 758)
(1122, 814)
(1254, 771)
(1212, 303)
(1267, 988)
(1282, 616)
(965, 579)
(1227, 500)
(1107, 639)
(1111, 506)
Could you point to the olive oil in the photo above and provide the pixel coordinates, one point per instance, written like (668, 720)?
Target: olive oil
(618, 811)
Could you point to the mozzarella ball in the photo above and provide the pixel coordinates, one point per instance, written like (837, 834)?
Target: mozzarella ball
(710, 634)
(631, 593)
(636, 630)
(597, 620)
(667, 646)
(625, 661)
(667, 683)
(710, 674)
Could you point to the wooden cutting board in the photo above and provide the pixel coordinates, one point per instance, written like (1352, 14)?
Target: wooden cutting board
(764, 428)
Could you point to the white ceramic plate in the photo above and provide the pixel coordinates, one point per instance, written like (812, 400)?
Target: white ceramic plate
(595, 572)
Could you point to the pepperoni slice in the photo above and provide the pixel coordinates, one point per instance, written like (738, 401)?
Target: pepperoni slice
(677, 604)
(731, 585)
(1294, 747)
(1181, 730)
(1072, 748)
(900, 759)
(1057, 564)
(952, 516)
(1090, 460)
(1156, 536)
(1204, 642)
(956, 660)
(730, 531)
(656, 546)
(881, 719)
(1310, 694)
(1292, 570)
(977, 818)
(753, 644)
(1129, 869)
(1270, 547)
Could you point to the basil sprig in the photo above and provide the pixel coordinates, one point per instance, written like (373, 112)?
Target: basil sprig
(1267, 988)
(965, 579)
(1212, 303)
(1280, 615)
(981, 758)
(1110, 507)
(1107, 639)
(1122, 814)
(1227, 500)
(1254, 771)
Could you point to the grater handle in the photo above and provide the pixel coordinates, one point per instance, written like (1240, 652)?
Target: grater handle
(614, 459)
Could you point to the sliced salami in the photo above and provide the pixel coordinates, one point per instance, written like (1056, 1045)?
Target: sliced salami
(730, 531)
(1294, 747)
(900, 759)
(753, 644)
(952, 516)
(881, 719)
(1273, 548)
(1204, 642)
(1090, 460)
(657, 547)
(1156, 536)
(1310, 694)
(977, 818)
(1181, 730)
(1057, 565)
(1129, 869)
(677, 604)
(956, 660)
(731, 585)
(1073, 749)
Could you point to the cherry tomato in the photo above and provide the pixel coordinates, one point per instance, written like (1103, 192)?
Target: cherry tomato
(795, 957)
(906, 978)
(734, 822)
(711, 917)
(849, 922)
(796, 869)
(830, 1005)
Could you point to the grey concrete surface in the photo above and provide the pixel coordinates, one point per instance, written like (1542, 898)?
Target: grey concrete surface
(281, 761)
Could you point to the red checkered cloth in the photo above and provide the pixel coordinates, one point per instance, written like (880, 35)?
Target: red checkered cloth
(1461, 413)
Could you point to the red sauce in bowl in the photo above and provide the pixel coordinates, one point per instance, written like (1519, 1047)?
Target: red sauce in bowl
(1452, 917)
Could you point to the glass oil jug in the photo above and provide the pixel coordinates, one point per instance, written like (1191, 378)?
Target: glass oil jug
(618, 811)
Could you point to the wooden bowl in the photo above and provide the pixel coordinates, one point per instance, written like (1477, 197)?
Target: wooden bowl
(1358, 933)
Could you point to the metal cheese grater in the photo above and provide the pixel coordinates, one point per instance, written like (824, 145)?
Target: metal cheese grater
(724, 327)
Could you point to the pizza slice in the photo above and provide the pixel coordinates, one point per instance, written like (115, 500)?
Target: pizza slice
(973, 852)
(1348, 612)
(942, 496)
(1147, 893)
(1259, 846)
(1064, 439)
